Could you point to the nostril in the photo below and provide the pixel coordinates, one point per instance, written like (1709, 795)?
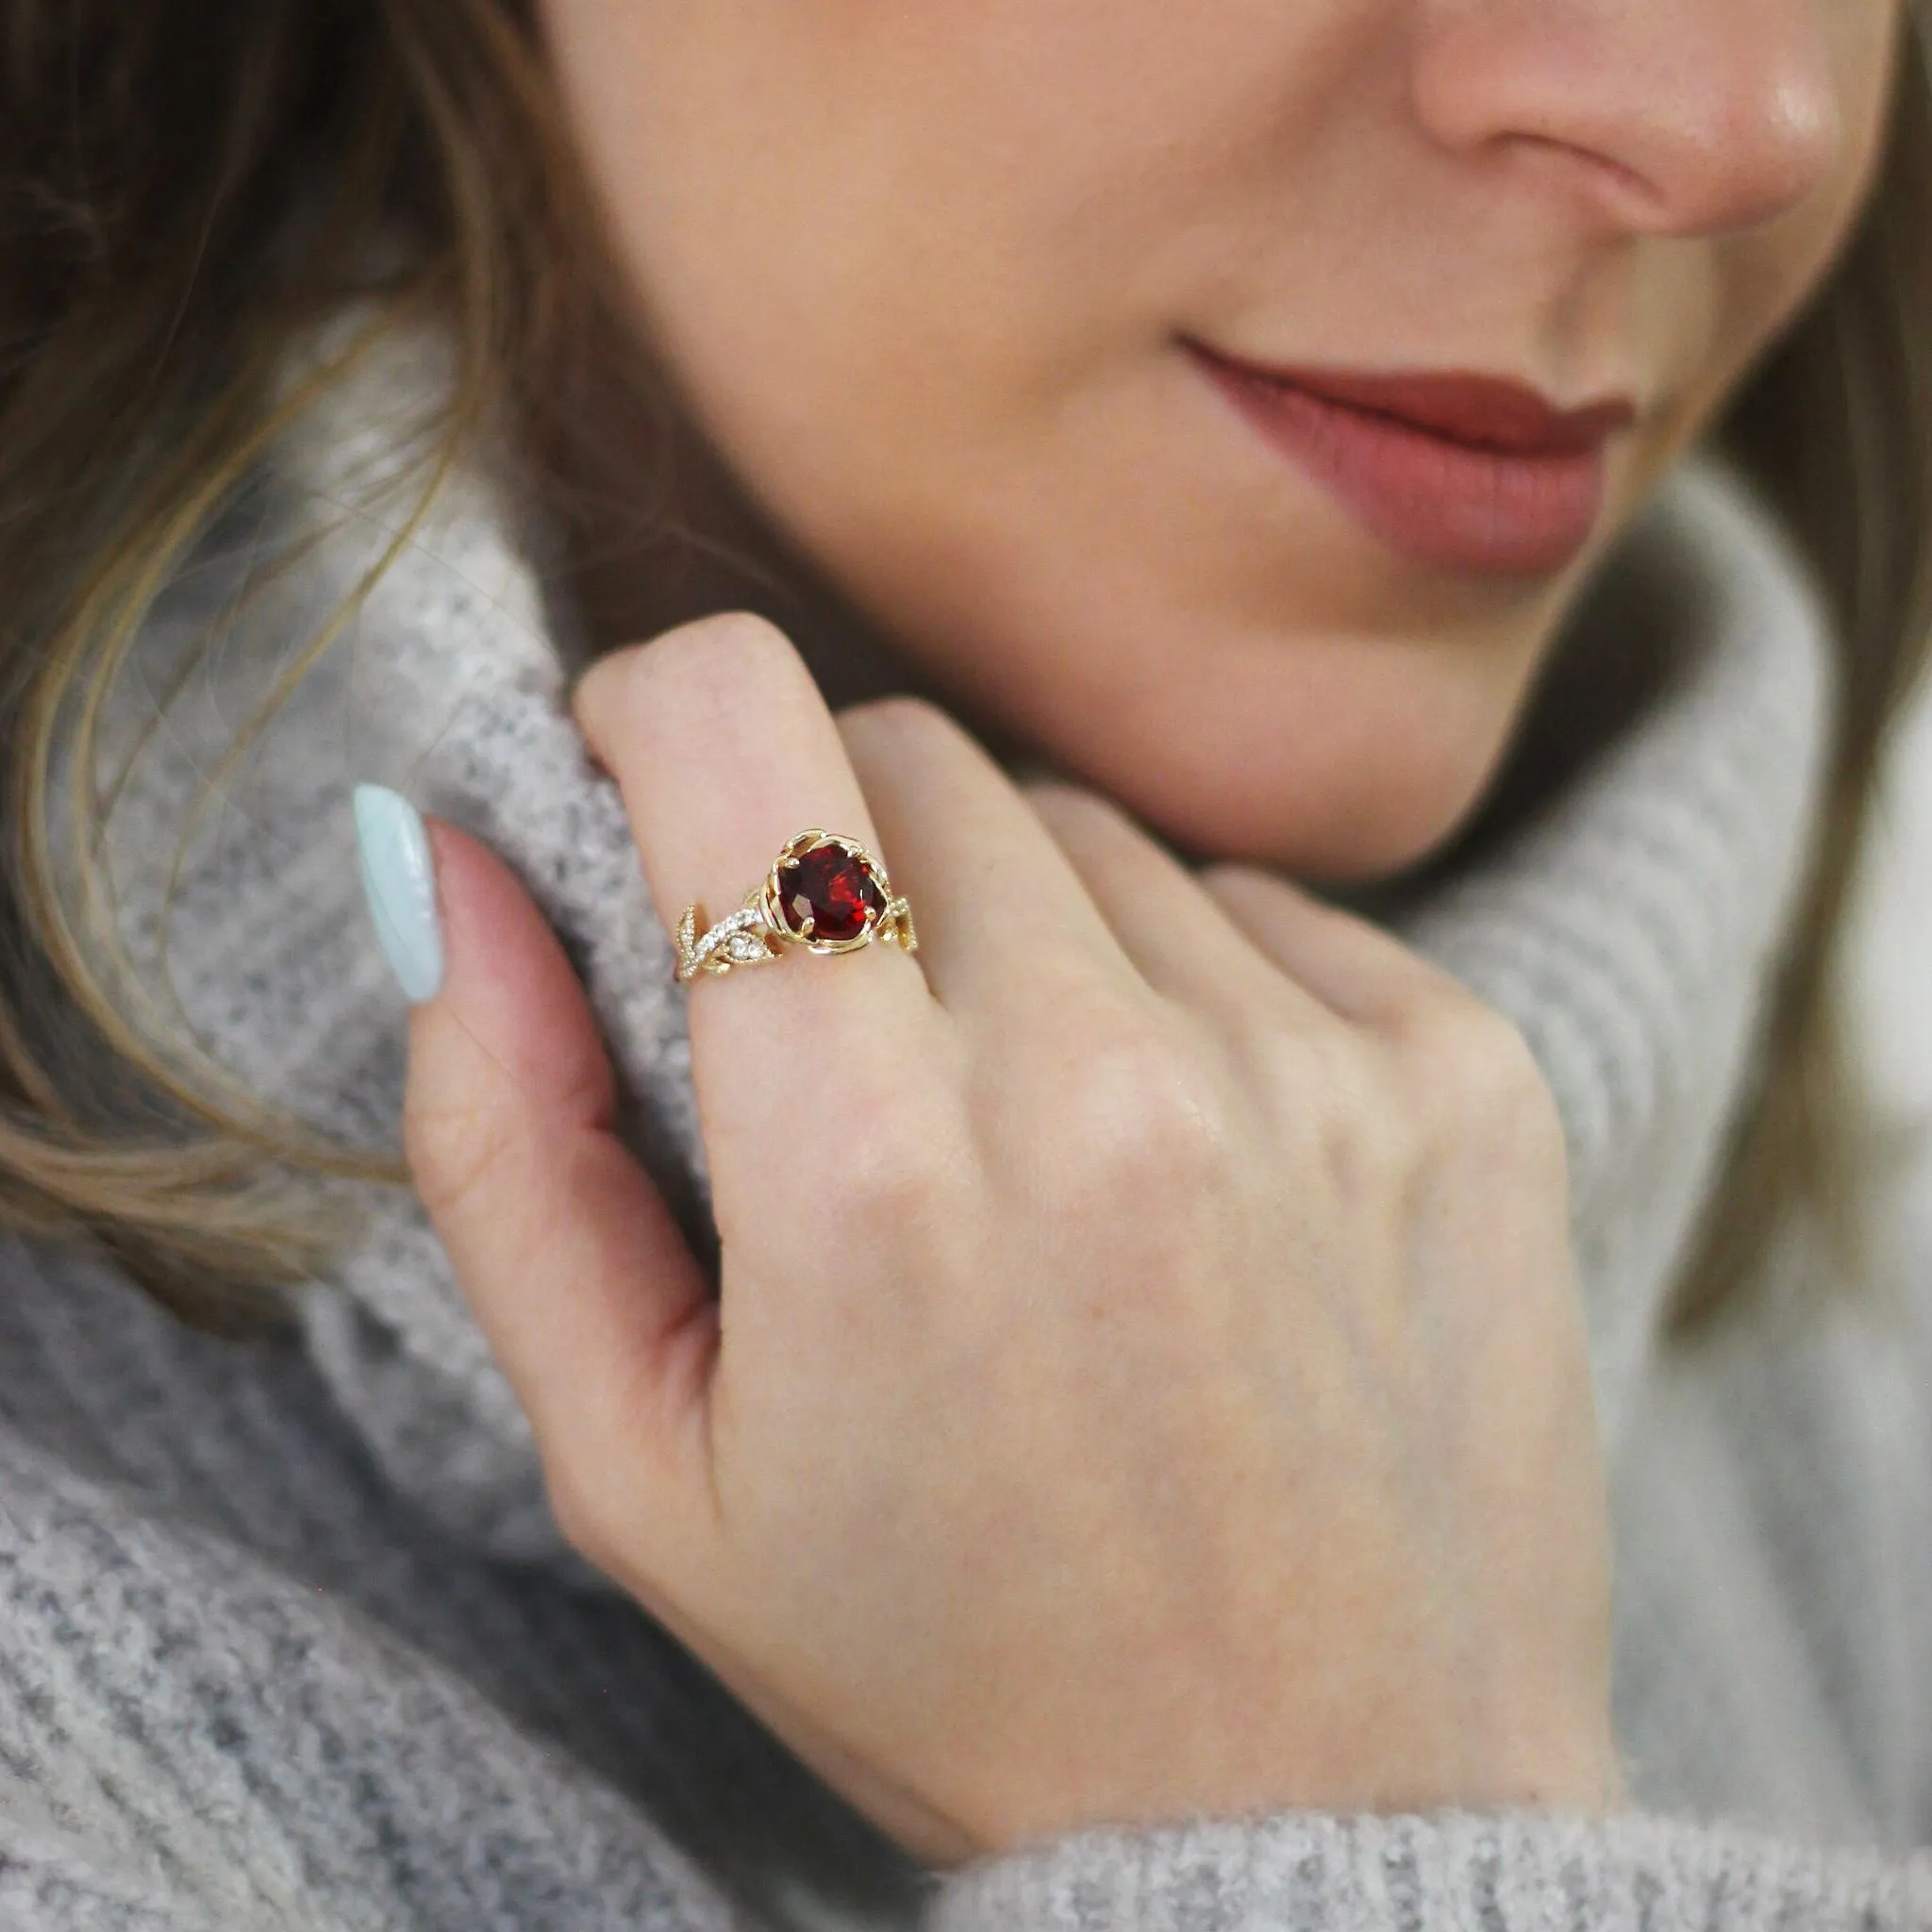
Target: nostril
(1670, 119)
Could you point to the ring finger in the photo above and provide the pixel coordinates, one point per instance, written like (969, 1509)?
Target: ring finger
(724, 749)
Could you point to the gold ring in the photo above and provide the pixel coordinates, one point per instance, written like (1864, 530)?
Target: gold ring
(825, 892)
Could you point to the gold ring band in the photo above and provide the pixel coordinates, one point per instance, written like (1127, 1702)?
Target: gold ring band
(825, 892)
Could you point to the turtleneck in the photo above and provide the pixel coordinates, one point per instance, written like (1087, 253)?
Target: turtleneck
(288, 1635)
(1627, 925)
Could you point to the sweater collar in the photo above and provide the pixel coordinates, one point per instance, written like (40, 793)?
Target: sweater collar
(1629, 928)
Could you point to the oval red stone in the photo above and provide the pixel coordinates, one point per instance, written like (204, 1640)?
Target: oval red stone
(833, 888)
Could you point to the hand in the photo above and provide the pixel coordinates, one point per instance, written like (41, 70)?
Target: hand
(1149, 1376)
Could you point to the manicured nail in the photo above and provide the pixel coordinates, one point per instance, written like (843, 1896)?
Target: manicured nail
(400, 880)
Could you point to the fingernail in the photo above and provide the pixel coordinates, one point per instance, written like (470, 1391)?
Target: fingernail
(400, 880)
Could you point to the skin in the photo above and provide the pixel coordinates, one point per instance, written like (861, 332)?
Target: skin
(918, 273)
(1148, 1377)
(1181, 1300)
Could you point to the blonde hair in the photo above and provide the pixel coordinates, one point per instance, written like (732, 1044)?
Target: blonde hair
(187, 193)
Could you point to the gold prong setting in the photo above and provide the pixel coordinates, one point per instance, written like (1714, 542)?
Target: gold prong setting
(825, 892)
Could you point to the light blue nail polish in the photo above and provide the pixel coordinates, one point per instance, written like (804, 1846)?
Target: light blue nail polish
(400, 880)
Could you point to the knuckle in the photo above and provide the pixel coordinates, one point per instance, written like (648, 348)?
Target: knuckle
(1479, 1071)
(456, 1152)
(1134, 1113)
(900, 719)
(717, 665)
(1071, 811)
(897, 1158)
(739, 640)
(894, 1172)
(1351, 1120)
(472, 1125)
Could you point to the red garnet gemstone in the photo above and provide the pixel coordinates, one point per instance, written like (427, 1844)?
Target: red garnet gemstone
(831, 886)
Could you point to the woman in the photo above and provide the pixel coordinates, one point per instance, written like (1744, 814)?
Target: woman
(1111, 1398)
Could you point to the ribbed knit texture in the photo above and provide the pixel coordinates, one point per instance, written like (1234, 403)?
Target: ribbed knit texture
(291, 1637)
(1304, 1869)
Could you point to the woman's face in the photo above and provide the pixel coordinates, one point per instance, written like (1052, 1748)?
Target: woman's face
(934, 278)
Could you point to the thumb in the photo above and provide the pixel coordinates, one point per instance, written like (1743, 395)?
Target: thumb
(575, 1269)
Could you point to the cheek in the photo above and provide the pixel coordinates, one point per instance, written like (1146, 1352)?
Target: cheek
(900, 231)
(720, 167)
(784, 198)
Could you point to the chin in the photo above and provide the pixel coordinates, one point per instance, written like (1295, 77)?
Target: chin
(1356, 823)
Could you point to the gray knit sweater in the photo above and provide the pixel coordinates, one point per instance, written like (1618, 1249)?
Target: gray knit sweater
(289, 1638)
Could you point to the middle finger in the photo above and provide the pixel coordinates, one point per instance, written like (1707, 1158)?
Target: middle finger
(1005, 917)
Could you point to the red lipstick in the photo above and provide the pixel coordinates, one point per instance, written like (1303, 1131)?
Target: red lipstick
(1457, 469)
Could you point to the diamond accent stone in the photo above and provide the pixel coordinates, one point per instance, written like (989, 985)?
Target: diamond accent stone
(726, 930)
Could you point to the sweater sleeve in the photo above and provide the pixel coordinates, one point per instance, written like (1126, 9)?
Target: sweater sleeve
(194, 1740)
(1514, 1871)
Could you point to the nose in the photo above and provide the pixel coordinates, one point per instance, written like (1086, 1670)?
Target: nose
(1670, 117)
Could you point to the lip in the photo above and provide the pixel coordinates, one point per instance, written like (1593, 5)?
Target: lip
(1456, 470)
